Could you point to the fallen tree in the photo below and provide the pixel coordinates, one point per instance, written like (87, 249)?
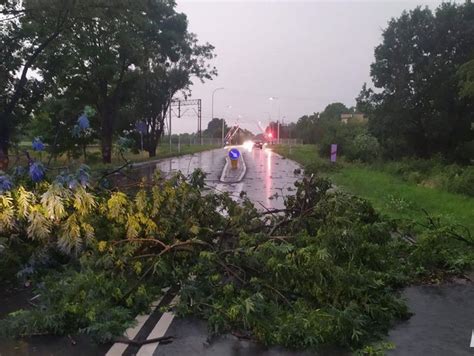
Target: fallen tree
(326, 270)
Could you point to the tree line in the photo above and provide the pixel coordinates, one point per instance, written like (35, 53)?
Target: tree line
(125, 59)
(423, 101)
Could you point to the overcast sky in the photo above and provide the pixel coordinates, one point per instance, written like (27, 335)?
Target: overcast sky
(305, 53)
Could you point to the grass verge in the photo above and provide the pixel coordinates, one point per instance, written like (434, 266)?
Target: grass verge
(390, 194)
(94, 156)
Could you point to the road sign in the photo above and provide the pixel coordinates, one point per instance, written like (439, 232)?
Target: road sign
(234, 154)
(333, 152)
(141, 127)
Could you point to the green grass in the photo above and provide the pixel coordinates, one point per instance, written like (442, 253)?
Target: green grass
(303, 154)
(163, 151)
(94, 160)
(388, 193)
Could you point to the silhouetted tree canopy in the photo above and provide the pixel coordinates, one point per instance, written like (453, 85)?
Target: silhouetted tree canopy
(418, 109)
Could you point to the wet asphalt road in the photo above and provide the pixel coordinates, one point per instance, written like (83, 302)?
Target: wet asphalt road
(192, 340)
(268, 179)
(442, 324)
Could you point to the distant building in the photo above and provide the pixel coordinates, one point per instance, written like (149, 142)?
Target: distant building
(356, 117)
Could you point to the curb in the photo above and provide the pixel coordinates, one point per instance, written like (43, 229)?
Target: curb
(225, 171)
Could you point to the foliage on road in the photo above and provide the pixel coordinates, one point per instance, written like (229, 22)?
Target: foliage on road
(326, 270)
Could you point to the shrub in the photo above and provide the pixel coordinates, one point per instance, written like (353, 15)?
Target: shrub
(433, 173)
(462, 182)
(341, 134)
(364, 147)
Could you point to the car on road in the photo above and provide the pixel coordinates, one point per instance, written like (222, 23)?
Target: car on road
(258, 144)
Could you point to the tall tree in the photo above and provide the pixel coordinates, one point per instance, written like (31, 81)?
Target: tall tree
(466, 80)
(27, 29)
(110, 46)
(307, 128)
(333, 111)
(158, 81)
(418, 110)
(214, 128)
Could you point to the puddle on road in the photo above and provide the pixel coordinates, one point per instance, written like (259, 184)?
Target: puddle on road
(442, 323)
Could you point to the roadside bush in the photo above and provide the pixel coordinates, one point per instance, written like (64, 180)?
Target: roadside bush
(341, 134)
(461, 181)
(364, 147)
(433, 173)
(319, 166)
(465, 152)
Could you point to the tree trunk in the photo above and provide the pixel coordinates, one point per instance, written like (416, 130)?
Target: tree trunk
(151, 146)
(17, 95)
(151, 152)
(107, 135)
(4, 144)
(154, 136)
(4, 141)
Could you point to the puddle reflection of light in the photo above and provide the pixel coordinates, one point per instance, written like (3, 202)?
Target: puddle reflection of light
(248, 145)
(268, 177)
(269, 160)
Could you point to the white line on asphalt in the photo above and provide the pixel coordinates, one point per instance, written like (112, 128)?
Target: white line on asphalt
(158, 331)
(472, 339)
(119, 348)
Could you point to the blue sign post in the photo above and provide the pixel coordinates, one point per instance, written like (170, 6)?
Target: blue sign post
(333, 152)
(234, 155)
(142, 129)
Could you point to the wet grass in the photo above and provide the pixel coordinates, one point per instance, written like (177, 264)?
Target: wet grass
(93, 156)
(388, 193)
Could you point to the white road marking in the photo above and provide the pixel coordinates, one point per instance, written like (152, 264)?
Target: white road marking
(158, 331)
(472, 339)
(119, 348)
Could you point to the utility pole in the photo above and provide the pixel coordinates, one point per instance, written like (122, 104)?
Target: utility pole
(223, 130)
(170, 129)
(278, 131)
(273, 98)
(196, 107)
(212, 112)
(223, 125)
(199, 113)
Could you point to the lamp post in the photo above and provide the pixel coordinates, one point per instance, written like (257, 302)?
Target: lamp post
(228, 107)
(212, 113)
(273, 98)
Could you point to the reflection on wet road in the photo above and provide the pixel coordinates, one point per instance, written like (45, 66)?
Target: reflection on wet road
(211, 162)
(269, 176)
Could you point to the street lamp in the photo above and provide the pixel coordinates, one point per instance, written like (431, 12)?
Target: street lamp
(273, 98)
(212, 113)
(228, 107)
